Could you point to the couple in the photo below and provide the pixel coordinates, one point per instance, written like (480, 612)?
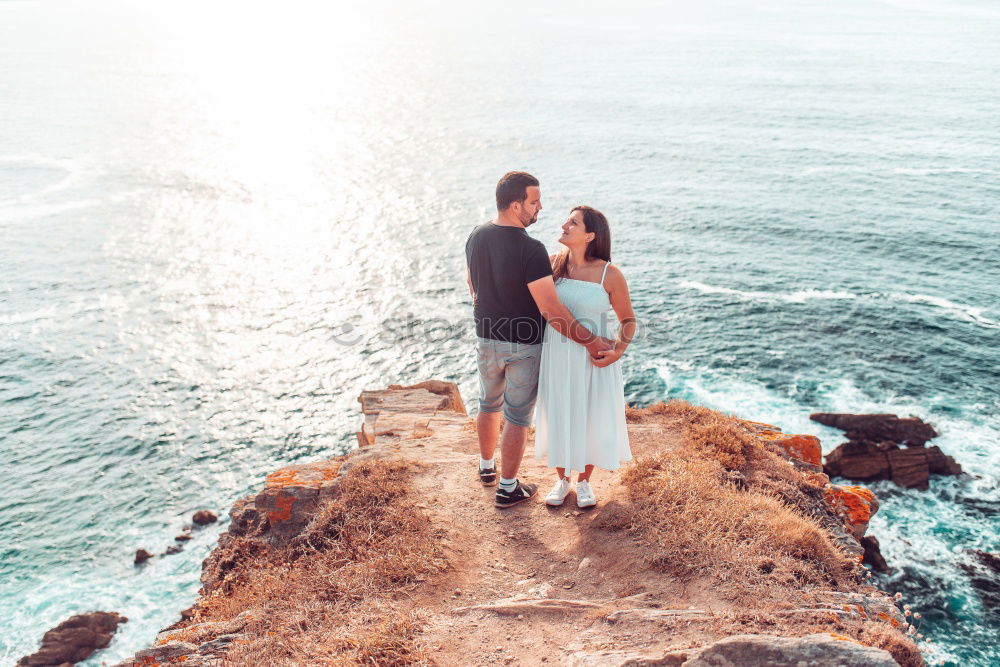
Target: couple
(544, 332)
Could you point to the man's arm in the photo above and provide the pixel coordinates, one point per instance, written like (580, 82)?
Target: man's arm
(472, 290)
(543, 291)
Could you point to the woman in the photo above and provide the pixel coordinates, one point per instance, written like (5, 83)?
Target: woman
(580, 411)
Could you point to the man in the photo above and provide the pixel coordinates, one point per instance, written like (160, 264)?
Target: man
(510, 280)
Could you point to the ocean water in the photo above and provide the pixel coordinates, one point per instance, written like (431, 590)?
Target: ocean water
(220, 222)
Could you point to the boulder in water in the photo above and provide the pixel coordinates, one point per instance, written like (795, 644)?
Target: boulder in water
(75, 639)
(876, 428)
(873, 554)
(204, 517)
(874, 450)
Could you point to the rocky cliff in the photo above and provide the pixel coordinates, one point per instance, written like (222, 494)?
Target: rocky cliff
(722, 542)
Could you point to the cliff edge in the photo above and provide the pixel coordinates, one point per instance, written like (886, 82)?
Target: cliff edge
(722, 542)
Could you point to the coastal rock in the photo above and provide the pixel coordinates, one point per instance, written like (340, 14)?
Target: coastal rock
(75, 639)
(292, 494)
(804, 448)
(624, 610)
(846, 540)
(983, 569)
(169, 652)
(245, 519)
(199, 633)
(940, 463)
(448, 390)
(760, 428)
(859, 461)
(873, 554)
(850, 605)
(854, 504)
(876, 428)
(909, 468)
(173, 549)
(874, 451)
(204, 517)
(817, 649)
(141, 556)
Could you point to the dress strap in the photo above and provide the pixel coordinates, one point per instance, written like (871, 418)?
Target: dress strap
(603, 273)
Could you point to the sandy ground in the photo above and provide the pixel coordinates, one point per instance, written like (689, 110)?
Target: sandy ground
(535, 584)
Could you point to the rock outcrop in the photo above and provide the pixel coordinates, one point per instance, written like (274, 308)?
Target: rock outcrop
(875, 450)
(873, 554)
(815, 649)
(535, 582)
(876, 428)
(75, 639)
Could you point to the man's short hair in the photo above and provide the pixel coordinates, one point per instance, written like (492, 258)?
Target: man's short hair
(513, 186)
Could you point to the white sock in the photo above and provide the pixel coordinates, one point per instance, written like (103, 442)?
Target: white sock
(508, 484)
(486, 463)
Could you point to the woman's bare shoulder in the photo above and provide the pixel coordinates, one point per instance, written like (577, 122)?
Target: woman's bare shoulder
(614, 276)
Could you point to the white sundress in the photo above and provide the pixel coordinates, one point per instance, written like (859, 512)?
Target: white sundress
(580, 409)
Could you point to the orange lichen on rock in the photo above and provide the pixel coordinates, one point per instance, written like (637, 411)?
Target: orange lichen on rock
(310, 475)
(853, 502)
(882, 616)
(802, 447)
(284, 511)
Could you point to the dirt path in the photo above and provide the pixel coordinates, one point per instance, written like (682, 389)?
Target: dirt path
(533, 584)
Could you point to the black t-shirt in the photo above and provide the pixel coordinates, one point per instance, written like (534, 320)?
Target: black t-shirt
(502, 261)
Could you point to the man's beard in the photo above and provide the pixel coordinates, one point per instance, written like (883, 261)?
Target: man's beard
(533, 220)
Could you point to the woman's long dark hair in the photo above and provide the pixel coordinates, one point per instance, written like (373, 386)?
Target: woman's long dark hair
(600, 248)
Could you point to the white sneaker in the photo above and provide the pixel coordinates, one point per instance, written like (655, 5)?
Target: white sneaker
(558, 493)
(585, 495)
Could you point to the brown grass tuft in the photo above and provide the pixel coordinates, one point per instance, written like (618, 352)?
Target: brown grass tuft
(717, 435)
(903, 649)
(696, 523)
(336, 595)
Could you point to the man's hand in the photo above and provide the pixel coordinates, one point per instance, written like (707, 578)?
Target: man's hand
(606, 358)
(599, 346)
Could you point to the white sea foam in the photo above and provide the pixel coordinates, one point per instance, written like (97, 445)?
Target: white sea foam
(11, 213)
(965, 312)
(973, 438)
(748, 400)
(885, 170)
(789, 297)
(929, 171)
(71, 175)
(968, 313)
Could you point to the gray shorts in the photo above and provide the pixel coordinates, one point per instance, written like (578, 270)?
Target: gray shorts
(508, 378)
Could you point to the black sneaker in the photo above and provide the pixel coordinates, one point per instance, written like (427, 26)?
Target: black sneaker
(488, 476)
(520, 493)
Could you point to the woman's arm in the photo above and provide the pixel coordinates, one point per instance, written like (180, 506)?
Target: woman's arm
(617, 287)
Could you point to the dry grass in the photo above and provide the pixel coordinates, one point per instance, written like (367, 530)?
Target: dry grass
(732, 443)
(902, 648)
(337, 594)
(696, 523)
(726, 508)
(761, 533)
(714, 434)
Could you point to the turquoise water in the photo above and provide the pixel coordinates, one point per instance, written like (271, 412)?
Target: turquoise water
(218, 224)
